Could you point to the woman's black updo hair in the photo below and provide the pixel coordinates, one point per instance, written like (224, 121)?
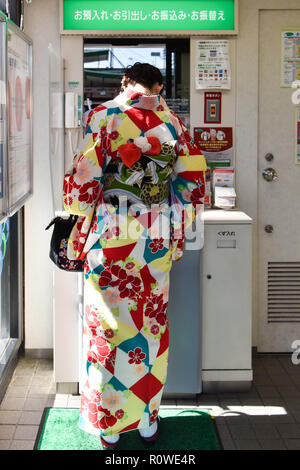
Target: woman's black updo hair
(145, 74)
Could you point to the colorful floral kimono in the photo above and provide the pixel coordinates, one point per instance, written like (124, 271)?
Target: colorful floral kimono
(136, 174)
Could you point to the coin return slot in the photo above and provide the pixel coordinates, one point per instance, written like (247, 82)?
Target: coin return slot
(226, 243)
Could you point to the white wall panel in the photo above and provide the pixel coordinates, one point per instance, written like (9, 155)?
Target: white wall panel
(41, 24)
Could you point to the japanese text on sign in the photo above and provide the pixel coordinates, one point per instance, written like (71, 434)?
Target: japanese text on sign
(155, 15)
(149, 15)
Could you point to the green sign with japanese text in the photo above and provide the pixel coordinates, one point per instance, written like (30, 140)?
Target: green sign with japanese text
(149, 15)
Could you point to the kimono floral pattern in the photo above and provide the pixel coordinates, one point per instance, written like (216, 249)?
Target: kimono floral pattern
(125, 338)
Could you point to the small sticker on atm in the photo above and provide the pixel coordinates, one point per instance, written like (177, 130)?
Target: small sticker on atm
(226, 234)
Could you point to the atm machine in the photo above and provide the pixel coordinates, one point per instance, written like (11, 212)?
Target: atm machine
(226, 304)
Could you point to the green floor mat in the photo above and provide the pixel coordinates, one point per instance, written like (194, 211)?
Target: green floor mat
(180, 429)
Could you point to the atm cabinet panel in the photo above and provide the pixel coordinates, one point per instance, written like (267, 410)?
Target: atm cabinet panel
(227, 297)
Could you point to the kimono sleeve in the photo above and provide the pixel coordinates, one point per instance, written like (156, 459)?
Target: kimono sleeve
(187, 188)
(83, 182)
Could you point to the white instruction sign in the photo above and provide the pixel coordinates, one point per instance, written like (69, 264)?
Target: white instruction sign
(290, 57)
(213, 64)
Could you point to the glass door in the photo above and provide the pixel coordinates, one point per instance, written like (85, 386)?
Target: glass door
(11, 284)
(5, 243)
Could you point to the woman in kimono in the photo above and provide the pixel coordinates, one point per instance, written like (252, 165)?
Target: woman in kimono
(136, 183)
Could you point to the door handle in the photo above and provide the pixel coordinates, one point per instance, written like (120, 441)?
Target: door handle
(269, 174)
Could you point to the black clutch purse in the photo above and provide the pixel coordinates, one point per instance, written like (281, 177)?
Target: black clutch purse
(59, 243)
